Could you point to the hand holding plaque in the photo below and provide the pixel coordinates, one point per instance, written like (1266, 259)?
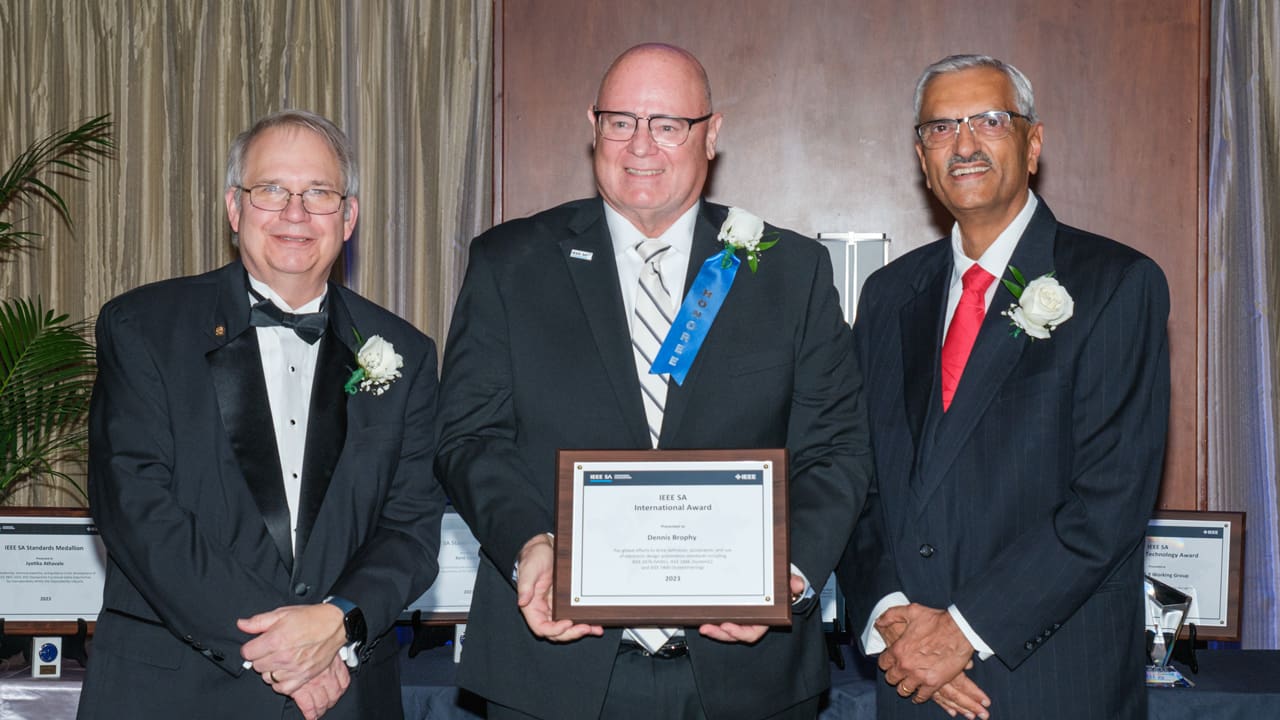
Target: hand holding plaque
(534, 594)
(654, 537)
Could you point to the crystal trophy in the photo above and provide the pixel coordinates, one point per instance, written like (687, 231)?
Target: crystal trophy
(1167, 608)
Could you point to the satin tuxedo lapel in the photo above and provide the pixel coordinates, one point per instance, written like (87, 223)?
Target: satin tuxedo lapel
(993, 358)
(327, 418)
(596, 282)
(235, 365)
(705, 244)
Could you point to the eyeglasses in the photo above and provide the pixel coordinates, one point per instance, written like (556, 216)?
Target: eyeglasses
(273, 198)
(666, 130)
(989, 125)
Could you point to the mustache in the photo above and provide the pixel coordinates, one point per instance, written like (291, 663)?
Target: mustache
(977, 156)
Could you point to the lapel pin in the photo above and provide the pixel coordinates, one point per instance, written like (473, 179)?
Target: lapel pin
(581, 254)
(219, 331)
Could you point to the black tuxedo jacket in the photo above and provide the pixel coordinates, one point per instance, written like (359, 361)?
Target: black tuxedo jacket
(185, 488)
(539, 358)
(1025, 503)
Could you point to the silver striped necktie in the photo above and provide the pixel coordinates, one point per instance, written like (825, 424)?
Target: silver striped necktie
(653, 315)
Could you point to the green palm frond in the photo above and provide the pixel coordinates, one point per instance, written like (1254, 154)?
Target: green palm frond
(46, 377)
(66, 152)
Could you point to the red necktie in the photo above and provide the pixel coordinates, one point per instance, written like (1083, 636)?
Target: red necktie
(963, 330)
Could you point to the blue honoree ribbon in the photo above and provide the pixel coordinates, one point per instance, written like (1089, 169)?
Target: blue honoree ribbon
(697, 313)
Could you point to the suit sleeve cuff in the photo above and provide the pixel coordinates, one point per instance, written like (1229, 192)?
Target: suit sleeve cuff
(984, 650)
(872, 642)
(809, 592)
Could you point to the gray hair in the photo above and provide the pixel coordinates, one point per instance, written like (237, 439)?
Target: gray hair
(1024, 96)
(332, 135)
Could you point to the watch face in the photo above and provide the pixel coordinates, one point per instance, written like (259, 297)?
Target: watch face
(355, 627)
(48, 652)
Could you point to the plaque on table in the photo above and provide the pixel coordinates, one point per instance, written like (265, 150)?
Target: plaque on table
(1201, 554)
(672, 537)
(448, 600)
(52, 569)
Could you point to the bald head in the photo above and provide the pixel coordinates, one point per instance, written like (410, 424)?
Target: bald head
(660, 52)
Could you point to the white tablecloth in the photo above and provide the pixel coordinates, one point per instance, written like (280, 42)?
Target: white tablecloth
(23, 697)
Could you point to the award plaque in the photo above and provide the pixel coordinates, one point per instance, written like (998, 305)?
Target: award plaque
(672, 537)
(1201, 554)
(448, 600)
(52, 570)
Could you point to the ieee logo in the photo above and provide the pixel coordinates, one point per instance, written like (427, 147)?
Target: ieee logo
(48, 652)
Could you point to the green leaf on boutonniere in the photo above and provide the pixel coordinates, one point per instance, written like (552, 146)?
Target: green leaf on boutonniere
(725, 257)
(765, 245)
(1016, 285)
(353, 382)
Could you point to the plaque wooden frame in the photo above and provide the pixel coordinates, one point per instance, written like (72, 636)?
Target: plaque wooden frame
(776, 612)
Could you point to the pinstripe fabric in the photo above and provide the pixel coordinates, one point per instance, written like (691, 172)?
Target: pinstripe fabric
(1025, 503)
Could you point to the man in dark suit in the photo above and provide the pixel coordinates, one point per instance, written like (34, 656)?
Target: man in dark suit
(550, 348)
(257, 515)
(1018, 436)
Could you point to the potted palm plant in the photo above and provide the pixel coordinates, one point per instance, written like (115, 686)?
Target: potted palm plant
(46, 361)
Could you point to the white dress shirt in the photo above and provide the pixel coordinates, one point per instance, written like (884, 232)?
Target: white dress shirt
(673, 265)
(289, 366)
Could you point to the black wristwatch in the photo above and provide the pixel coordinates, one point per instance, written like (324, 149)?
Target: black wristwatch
(353, 623)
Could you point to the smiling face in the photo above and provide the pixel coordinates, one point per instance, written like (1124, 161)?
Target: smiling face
(982, 182)
(290, 250)
(649, 184)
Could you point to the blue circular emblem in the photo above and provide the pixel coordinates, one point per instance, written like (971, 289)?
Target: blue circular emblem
(48, 652)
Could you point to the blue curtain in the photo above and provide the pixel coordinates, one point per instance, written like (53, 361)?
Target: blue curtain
(1244, 295)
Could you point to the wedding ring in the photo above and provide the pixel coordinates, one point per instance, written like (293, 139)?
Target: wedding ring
(271, 677)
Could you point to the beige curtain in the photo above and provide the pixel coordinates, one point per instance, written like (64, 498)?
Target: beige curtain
(1244, 294)
(410, 80)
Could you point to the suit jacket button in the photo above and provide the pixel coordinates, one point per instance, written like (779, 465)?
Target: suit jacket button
(188, 639)
(1030, 645)
(301, 589)
(198, 646)
(218, 656)
(926, 550)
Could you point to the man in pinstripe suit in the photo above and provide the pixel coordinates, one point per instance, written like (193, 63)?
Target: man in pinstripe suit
(1019, 434)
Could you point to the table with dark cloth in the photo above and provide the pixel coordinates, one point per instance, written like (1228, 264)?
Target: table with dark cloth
(1231, 685)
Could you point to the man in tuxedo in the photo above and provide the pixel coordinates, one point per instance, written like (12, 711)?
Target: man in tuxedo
(1018, 433)
(260, 463)
(550, 348)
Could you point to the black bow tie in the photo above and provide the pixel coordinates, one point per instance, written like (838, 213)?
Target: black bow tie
(308, 326)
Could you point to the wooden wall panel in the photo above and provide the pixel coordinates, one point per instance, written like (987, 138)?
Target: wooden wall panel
(817, 133)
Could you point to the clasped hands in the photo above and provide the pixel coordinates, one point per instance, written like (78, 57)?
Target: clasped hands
(296, 653)
(534, 589)
(926, 656)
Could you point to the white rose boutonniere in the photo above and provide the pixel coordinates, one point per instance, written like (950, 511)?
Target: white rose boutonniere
(379, 364)
(1043, 304)
(744, 231)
